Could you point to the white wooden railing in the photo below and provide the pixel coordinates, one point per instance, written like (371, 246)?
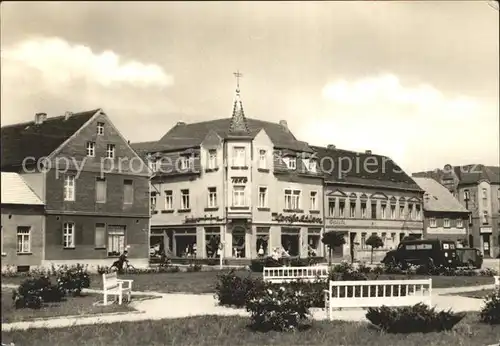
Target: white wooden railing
(288, 274)
(376, 293)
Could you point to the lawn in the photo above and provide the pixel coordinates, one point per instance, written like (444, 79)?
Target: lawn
(479, 294)
(219, 330)
(72, 306)
(204, 282)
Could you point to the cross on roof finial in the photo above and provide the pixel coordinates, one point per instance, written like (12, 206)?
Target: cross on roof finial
(238, 75)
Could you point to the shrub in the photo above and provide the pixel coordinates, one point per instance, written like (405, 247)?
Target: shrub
(378, 270)
(278, 309)
(233, 290)
(415, 319)
(73, 279)
(32, 292)
(488, 272)
(491, 310)
(363, 268)
(346, 271)
(194, 268)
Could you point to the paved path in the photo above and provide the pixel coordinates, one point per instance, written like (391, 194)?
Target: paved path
(171, 305)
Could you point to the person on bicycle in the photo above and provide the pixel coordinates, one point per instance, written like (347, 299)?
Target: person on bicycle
(121, 261)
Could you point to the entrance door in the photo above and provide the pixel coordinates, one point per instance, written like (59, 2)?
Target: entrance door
(486, 245)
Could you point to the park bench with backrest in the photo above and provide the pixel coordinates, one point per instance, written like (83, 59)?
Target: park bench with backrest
(112, 286)
(376, 293)
(290, 274)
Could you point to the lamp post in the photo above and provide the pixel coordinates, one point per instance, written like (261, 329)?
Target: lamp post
(221, 255)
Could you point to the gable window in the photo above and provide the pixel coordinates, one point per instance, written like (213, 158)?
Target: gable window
(432, 222)
(341, 208)
(23, 239)
(187, 162)
(382, 210)
(393, 212)
(313, 166)
(116, 240)
(262, 197)
(460, 223)
(110, 151)
(212, 197)
(352, 209)
(239, 196)
(153, 200)
(91, 149)
(374, 210)
(100, 129)
(314, 200)
(410, 211)
(363, 209)
(100, 236)
(262, 159)
(69, 188)
(69, 235)
(418, 212)
(128, 191)
(212, 159)
(239, 159)
(401, 211)
(185, 202)
(100, 190)
(331, 206)
(446, 223)
(291, 162)
(169, 200)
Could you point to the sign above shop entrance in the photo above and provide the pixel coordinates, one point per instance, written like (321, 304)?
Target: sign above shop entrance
(297, 218)
(208, 218)
(239, 180)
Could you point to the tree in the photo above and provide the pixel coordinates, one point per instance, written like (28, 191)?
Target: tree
(333, 240)
(375, 242)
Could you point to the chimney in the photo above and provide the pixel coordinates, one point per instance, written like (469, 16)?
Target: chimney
(284, 124)
(67, 115)
(40, 118)
(331, 146)
(369, 152)
(181, 123)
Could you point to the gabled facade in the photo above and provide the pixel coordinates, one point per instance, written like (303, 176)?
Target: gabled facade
(477, 188)
(94, 186)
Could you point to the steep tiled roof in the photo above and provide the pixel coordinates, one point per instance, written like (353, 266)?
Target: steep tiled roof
(16, 191)
(467, 174)
(38, 140)
(184, 136)
(142, 148)
(437, 197)
(361, 168)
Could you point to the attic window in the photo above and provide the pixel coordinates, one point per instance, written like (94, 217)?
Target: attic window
(100, 129)
(291, 162)
(313, 165)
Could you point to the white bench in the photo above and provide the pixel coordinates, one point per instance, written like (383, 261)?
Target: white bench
(289, 274)
(497, 282)
(376, 293)
(112, 286)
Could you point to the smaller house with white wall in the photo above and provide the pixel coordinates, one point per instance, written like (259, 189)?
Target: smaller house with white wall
(22, 224)
(444, 217)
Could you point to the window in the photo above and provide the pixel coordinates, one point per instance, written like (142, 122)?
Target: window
(212, 197)
(393, 212)
(239, 157)
(314, 200)
(187, 163)
(100, 190)
(460, 223)
(169, 200)
(363, 240)
(212, 159)
(313, 166)
(262, 159)
(341, 208)
(69, 235)
(432, 222)
(100, 129)
(153, 200)
(100, 236)
(485, 194)
(382, 211)
(401, 211)
(23, 239)
(154, 163)
(485, 217)
(239, 196)
(410, 211)
(110, 151)
(384, 239)
(446, 223)
(91, 149)
(185, 199)
(128, 191)
(363, 209)
(291, 162)
(69, 188)
(116, 240)
(262, 241)
(466, 195)
(331, 207)
(374, 210)
(352, 209)
(292, 199)
(262, 197)
(418, 212)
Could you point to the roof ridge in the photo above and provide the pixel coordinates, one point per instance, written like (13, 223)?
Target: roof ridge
(57, 117)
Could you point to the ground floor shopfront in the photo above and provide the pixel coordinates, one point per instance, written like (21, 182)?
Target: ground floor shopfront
(238, 240)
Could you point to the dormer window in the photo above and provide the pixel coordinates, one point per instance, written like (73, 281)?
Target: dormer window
(212, 159)
(291, 162)
(100, 129)
(187, 162)
(313, 166)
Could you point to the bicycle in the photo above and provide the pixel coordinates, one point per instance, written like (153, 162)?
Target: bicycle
(124, 268)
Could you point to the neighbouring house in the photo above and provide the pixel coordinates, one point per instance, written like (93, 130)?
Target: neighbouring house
(477, 188)
(444, 217)
(235, 187)
(23, 223)
(368, 194)
(94, 187)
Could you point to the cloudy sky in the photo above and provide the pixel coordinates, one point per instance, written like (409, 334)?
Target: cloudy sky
(416, 81)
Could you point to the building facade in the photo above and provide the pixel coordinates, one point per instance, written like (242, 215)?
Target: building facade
(94, 186)
(368, 194)
(236, 188)
(477, 188)
(444, 217)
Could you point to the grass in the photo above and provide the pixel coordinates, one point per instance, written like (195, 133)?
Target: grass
(72, 306)
(479, 294)
(221, 330)
(204, 282)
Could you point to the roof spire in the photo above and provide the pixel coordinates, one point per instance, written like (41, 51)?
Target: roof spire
(238, 126)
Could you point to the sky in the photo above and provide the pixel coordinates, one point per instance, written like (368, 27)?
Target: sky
(415, 81)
